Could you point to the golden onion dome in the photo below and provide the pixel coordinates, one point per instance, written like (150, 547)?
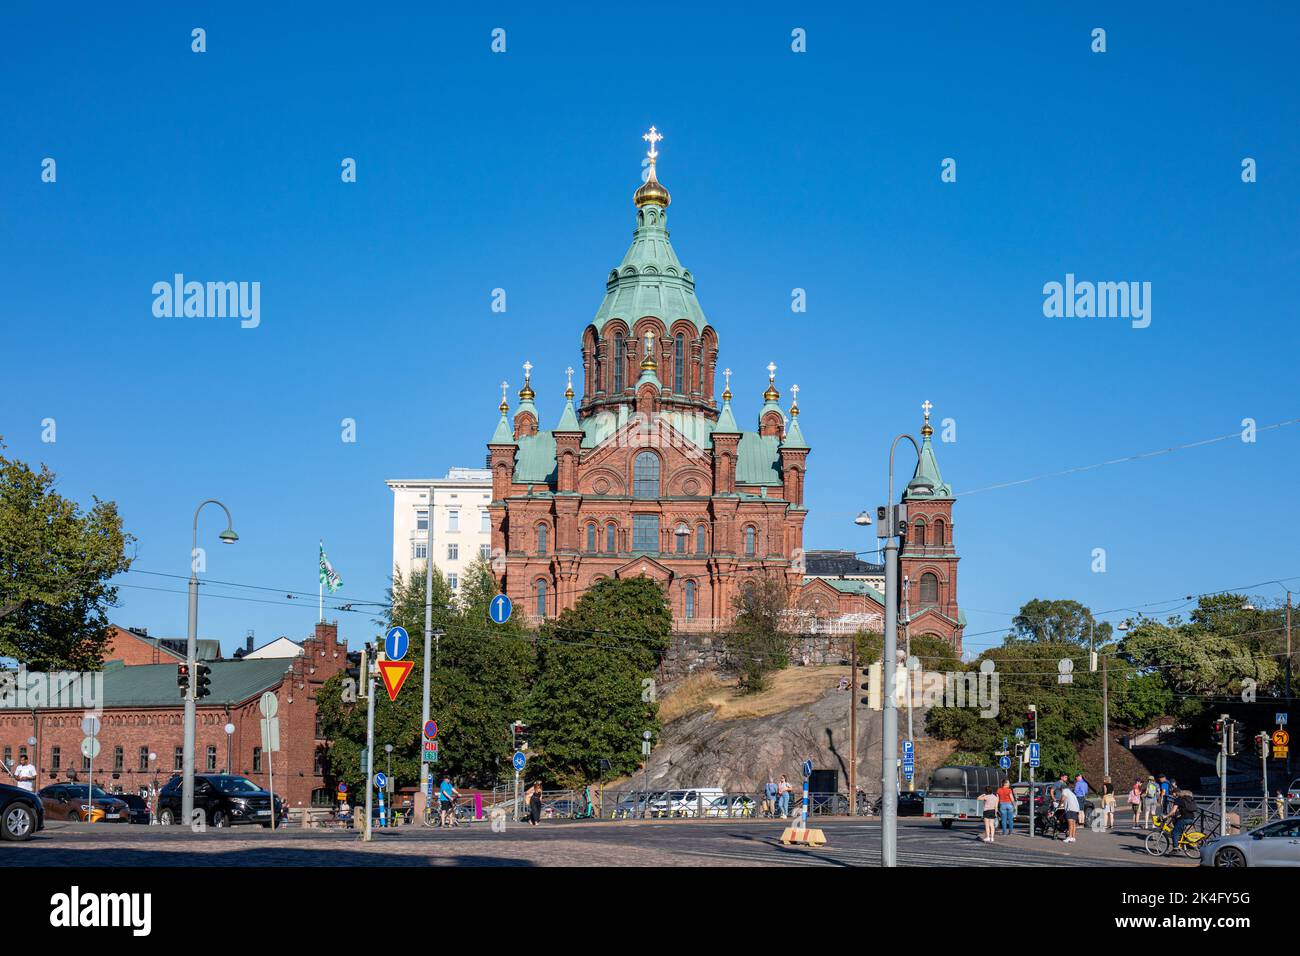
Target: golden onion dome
(652, 192)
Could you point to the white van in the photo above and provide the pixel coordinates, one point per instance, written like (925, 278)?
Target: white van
(684, 803)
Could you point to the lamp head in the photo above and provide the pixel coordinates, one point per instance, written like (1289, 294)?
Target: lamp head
(228, 536)
(863, 519)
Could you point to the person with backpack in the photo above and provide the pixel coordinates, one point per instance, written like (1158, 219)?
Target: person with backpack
(1135, 801)
(1150, 795)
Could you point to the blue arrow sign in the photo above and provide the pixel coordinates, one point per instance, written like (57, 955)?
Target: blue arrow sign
(1004, 762)
(396, 643)
(381, 780)
(807, 768)
(1033, 754)
(499, 609)
(519, 760)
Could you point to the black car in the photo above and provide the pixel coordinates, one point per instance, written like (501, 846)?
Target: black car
(21, 813)
(137, 806)
(225, 799)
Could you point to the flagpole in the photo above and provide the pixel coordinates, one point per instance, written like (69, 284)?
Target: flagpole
(321, 586)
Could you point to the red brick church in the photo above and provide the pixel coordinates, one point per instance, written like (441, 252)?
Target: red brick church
(647, 474)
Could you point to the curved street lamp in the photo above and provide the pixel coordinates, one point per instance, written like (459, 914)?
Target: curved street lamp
(191, 659)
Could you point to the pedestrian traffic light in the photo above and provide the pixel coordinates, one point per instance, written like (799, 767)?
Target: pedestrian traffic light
(202, 680)
(520, 730)
(1216, 732)
(183, 679)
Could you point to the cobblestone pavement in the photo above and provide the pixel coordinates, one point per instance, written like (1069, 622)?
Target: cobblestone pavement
(627, 843)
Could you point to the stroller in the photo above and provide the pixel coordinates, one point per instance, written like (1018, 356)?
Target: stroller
(1052, 822)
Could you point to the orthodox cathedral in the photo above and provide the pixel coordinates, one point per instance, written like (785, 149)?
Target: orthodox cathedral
(647, 474)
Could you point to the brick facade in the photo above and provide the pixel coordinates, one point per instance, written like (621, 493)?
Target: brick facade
(160, 729)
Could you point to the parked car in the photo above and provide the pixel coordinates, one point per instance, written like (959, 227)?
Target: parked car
(225, 799)
(1273, 844)
(634, 804)
(22, 813)
(137, 807)
(910, 804)
(738, 805)
(1293, 794)
(72, 801)
(684, 803)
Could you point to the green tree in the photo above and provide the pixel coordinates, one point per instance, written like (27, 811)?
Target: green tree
(757, 643)
(477, 686)
(589, 701)
(55, 565)
(1057, 621)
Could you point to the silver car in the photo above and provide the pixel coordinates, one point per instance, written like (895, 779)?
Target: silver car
(1274, 844)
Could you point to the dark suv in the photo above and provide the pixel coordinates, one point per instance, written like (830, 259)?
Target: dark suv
(225, 799)
(21, 813)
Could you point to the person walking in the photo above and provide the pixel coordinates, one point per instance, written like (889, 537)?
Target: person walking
(1135, 801)
(1107, 804)
(1006, 808)
(769, 797)
(1150, 794)
(447, 795)
(989, 804)
(535, 804)
(783, 790)
(1081, 791)
(1163, 797)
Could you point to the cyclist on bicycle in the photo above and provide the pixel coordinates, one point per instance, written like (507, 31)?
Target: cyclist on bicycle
(447, 795)
(1184, 809)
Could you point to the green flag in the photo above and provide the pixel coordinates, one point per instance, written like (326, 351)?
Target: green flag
(328, 576)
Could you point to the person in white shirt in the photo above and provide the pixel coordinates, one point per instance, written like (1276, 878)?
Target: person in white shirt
(1071, 803)
(25, 774)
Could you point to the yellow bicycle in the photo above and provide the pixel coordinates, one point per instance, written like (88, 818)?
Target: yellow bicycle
(1161, 842)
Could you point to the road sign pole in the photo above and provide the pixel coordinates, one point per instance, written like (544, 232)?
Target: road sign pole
(516, 796)
(889, 711)
(370, 752)
(421, 799)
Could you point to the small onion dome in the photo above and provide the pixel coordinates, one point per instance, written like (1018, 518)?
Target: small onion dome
(771, 395)
(652, 192)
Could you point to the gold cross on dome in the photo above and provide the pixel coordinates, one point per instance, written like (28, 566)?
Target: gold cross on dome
(794, 393)
(528, 370)
(771, 371)
(925, 407)
(504, 387)
(726, 373)
(652, 137)
(569, 372)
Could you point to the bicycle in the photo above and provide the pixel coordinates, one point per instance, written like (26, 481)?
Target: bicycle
(1160, 842)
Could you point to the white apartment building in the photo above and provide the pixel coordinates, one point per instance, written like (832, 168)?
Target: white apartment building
(459, 512)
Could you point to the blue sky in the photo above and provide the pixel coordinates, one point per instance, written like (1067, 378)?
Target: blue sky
(818, 170)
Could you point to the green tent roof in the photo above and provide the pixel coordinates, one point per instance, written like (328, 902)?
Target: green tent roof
(926, 482)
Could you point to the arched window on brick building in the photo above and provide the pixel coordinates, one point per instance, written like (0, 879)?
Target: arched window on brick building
(751, 538)
(939, 531)
(611, 538)
(689, 601)
(541, 597)
(929, 589)
(645, 475)
(541, 539)
(591, 536)
(619, 362)
(679, 363)
(918, 533)
(701, 539)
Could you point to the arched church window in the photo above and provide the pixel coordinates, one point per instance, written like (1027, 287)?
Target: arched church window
(611, 538)
(679, 362)
(929, 588)
(939, 530)
(701, 544)
(591, 537)
(541, 539)
(918, 533)
(645, 475)
(541, 597)
(750, 536)
(683, 536)
(619, 361)
(690, 600)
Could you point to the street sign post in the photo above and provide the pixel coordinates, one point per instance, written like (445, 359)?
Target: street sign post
(499, 609)
(269, 705)
(909, 762)
(519, 761)
(1034, 754)
(90, 750)
(431, 729)
(381, 782)
(1004, 762)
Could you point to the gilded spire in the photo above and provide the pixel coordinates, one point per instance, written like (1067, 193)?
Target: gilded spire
(526, 394)
(504, 406)
(726, 391)
(794, 401)
(568, 391)
(652, 191)
(926, 430)
(771, 395)
(648, 364)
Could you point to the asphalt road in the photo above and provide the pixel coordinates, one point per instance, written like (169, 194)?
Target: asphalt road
(556, 843)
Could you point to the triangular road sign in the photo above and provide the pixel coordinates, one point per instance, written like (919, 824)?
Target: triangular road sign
(394, 674)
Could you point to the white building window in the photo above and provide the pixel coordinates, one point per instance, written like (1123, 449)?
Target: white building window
(485, 551)
(453, 552)
(453, 581)
(422, 519)
(453, 520)
(485, 522)
(419, 550)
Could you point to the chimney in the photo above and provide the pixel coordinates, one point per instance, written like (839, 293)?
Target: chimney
(248, 641)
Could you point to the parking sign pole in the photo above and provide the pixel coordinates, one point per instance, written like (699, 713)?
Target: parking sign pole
(370, 751)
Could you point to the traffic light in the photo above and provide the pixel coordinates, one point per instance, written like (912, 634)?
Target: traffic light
(202, 680)
(1216, 732)
(1236, 736)
(520, 730)
(183, 679)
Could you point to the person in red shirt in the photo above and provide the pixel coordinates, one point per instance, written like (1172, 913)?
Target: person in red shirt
(1006, 808)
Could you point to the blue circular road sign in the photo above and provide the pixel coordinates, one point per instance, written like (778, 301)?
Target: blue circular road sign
(500, 608)
(381, 780)
(519, 760)
(396, 643)
(1004, 763)
(343, 787)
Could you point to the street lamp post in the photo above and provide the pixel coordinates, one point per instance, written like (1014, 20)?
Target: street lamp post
(894, 516)
(230, 733)
(191, 659)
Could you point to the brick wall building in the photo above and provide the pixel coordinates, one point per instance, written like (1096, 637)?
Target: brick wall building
(143, 714)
